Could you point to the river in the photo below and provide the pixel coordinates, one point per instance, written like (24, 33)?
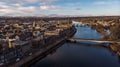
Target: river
(81, 54)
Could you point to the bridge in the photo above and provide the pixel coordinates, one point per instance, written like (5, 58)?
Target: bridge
(94, 40)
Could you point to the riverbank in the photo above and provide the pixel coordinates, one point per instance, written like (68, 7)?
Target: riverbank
(36, 56)
(28, 61)
(83, 54)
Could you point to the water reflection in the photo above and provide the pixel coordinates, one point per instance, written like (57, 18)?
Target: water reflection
(86, 54)
(88, 33)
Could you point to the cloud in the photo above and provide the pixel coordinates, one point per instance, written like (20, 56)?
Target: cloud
(77, 8)
(4, 5)
(17, 9)
(46, 7)
(21, 10)
(16, 4)
(28, 1)
(30, 8)
(102, 3)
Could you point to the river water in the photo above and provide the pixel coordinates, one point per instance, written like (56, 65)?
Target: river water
(81, 54)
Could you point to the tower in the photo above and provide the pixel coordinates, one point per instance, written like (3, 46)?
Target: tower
(8, 42)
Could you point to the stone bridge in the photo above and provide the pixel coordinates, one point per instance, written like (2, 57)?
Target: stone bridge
(94, 40)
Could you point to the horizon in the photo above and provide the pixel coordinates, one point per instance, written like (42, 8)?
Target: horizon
(63, 16)
(56, 8)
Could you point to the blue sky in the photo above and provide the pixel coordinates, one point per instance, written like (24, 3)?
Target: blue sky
(59, 7)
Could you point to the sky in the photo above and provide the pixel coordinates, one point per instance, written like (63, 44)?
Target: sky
(59, 7)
